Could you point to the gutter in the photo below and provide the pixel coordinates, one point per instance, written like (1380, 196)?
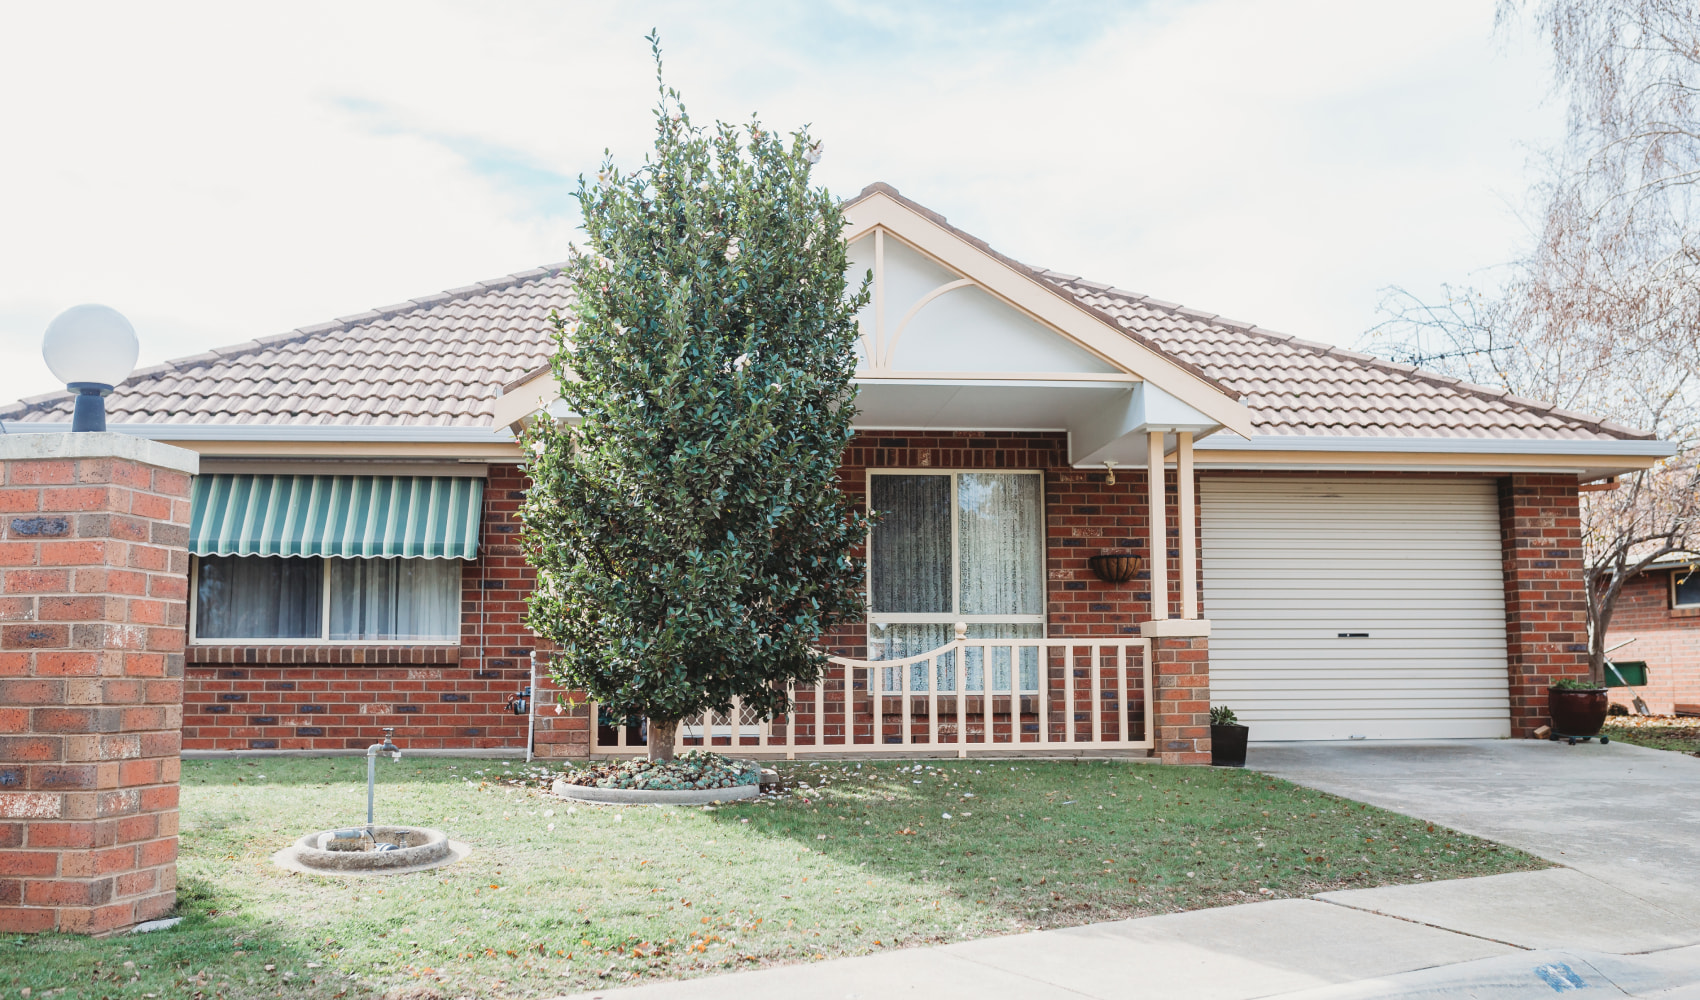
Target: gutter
(1229, 441)
(413, 433)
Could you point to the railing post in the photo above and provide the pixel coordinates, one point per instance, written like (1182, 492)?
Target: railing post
(1097, 694)
(1188, 529)
(1159, 507)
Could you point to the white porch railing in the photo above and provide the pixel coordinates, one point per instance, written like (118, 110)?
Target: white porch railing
(973, 697)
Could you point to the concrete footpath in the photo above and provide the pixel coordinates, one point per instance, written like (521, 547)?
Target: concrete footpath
(1621, 919)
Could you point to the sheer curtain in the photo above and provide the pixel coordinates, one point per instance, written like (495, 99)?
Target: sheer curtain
(1000, 535)
(257, 597)
(411, 599)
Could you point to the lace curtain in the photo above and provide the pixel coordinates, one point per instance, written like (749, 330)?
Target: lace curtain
(402, 599)
(999, 570)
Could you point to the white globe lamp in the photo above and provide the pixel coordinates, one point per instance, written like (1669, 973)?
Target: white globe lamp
(90, 348)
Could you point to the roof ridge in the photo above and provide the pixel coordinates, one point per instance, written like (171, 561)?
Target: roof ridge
(1601, 425)
(342, 324)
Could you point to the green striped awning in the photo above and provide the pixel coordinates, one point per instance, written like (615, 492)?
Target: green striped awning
(434, 517)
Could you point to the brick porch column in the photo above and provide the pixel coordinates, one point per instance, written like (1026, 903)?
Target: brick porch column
(1546, 609)
(1180, 688)
(93, 583)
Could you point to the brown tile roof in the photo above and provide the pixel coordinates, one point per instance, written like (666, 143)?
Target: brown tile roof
(432, 361)
(1295, 386)
(439, 360)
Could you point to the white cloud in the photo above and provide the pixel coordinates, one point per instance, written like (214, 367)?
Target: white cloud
(223, 171)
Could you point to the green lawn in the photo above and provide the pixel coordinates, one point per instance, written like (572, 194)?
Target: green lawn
(856, 859)
(1658, 732)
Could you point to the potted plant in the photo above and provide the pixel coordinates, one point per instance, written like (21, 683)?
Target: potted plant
(1227, 738)
(1578, 709)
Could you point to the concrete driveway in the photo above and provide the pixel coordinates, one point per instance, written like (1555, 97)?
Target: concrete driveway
(1625, 816)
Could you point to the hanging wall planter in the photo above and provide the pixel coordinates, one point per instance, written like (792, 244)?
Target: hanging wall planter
(1115, 567)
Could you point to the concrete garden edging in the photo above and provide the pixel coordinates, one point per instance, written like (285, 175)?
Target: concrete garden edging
(426, 849)
(653, 796)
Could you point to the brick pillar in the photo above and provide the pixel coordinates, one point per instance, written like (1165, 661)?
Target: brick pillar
(1180, 686)
(93, 583)
(1546, 607)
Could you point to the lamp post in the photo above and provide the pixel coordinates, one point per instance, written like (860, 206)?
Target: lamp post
(90, 348)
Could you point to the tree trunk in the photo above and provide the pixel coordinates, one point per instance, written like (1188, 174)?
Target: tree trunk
(662, 736)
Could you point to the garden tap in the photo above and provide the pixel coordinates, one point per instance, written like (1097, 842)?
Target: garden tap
(372, 752)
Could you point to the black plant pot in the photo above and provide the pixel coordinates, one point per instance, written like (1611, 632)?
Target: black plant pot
(1227, 745)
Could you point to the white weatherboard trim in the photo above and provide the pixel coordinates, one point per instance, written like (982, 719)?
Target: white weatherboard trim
(1347, 608)
(879, 211)
(1445, 445)
(290, 432)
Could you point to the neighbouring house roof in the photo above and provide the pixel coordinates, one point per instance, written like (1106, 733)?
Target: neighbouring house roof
(438, 361)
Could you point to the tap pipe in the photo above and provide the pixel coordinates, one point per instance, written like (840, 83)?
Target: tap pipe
(389, 747)
(531, 709)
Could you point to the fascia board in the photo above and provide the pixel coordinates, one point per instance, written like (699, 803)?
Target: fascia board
(520, 402)
(352, 433)
(1024, 293)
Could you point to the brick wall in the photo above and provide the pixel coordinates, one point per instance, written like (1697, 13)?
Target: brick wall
(1666, 639)
(341, 697)
(93, 565)
(295, 697)
(1546, 612)
(1181, 686)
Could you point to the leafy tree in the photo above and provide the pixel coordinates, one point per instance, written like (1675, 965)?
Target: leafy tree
(690, 538)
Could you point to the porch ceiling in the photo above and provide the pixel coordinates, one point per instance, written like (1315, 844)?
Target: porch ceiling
(1106, 420)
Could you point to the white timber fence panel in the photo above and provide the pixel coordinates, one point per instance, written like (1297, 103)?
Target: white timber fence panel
(972, 697)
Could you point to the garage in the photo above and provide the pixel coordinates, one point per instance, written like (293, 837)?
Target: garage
(1366, 608)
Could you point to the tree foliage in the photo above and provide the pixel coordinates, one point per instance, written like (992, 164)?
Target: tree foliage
(1601, 313)
(690, 538)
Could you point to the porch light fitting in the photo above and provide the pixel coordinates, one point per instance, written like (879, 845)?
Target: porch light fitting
(91, 348)
(1110, 476)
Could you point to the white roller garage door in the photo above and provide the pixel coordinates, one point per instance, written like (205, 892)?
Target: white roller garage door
(1356, 607)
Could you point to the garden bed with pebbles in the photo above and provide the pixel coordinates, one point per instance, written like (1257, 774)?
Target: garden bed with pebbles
(692, 778)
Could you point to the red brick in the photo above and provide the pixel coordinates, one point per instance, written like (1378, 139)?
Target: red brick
(29, 863)
(37, 581)
(40, 472)
(67, 664)
(27, 920)
(78, 498)
(64, 892)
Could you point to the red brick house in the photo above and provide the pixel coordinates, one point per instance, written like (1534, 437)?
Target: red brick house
(1660, 610)
(1348, 547)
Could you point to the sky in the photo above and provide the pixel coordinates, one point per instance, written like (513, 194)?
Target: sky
(223, 171)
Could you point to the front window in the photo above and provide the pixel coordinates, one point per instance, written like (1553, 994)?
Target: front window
(273, 599)
(1685, 588)
(954, 547)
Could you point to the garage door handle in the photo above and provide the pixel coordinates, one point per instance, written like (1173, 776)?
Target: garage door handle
(1354, 635)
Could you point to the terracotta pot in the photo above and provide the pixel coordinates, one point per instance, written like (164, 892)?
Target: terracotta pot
(1227, 745)
(1577, 711)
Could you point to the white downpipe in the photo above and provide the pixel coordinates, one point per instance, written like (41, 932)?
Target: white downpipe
(531, 709)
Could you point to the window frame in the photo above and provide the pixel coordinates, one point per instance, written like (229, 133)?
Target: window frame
(1675, 603)
(954, 616)
(323, 638)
